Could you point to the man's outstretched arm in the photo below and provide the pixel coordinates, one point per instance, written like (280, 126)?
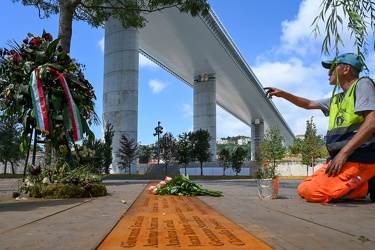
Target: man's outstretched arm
(296, 100)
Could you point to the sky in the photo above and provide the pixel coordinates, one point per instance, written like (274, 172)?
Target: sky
(275, 38)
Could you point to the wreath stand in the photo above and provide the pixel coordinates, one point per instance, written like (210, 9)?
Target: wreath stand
(34, 132)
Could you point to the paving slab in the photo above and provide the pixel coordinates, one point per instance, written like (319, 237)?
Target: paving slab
(64, 224)
(288, 222)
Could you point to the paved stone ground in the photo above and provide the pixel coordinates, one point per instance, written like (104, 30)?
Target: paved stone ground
(288, 222)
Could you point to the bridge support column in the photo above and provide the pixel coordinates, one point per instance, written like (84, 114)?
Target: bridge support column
(205, 107)
(257, 136)
(120, 86)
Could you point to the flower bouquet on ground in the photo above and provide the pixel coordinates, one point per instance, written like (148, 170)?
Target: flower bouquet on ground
(181, 185)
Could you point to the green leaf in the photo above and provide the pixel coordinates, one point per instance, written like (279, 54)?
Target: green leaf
(57, 117)
(79, 83)
(57, 98)
(63, 57)
(52, 48)
(56, 66)
(24, 143)
(40, 57)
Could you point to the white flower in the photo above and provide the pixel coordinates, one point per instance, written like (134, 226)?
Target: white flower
(46, 180)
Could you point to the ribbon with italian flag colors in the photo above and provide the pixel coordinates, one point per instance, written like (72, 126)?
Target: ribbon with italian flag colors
(39, 103)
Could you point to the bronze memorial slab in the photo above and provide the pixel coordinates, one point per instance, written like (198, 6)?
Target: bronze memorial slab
(177, 222)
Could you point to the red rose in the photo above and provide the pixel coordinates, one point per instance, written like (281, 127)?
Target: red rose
(16, 57)
(36, 41)
(48, 37)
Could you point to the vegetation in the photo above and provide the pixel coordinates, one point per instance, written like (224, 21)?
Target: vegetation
(200, 146)
(232, 147)
(183, 150)
(58, 180)
(237, 159)
(360, 14)
(96, 13)
(310, 149)
(272, 150)
(46, 90)
(224, 159)
(106, 152)
(146, 153)
(181, 186)
(296, 148)
(10, 134)
(102, 159)
(168, 149)
(64, 191)
(127, 152)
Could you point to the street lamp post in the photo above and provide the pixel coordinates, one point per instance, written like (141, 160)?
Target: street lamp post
(158, 132)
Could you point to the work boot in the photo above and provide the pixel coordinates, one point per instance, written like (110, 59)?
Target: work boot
(371, 188)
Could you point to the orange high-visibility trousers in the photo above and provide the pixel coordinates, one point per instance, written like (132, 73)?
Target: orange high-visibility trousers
(320, 188)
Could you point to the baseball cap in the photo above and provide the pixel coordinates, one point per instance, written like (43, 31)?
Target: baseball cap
(347, 58)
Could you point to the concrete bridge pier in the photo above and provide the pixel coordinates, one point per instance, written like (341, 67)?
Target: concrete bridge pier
(120, 85)
(205, 107)
(257, 135)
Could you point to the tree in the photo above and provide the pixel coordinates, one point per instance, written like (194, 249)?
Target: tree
(200, 143)
(272, 148)
(168, 148)
(127, 152)
(107, 147)
(310, 148)
(10, 134)
(224, 159)
(183, 150)
(360, 14)
(103, 151)
(145, 153)
(96, 160)
(296, 148)
(129, 12)
(237, 159)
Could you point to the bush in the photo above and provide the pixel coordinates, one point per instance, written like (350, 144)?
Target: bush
(64, 191)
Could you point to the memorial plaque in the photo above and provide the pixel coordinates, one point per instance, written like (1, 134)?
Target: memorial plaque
(177, 222)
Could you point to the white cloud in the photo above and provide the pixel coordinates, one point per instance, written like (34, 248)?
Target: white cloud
(101, 44)
(186, 110)
(227, 125)
(297, 33)
(157, 85)
(295, 66)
